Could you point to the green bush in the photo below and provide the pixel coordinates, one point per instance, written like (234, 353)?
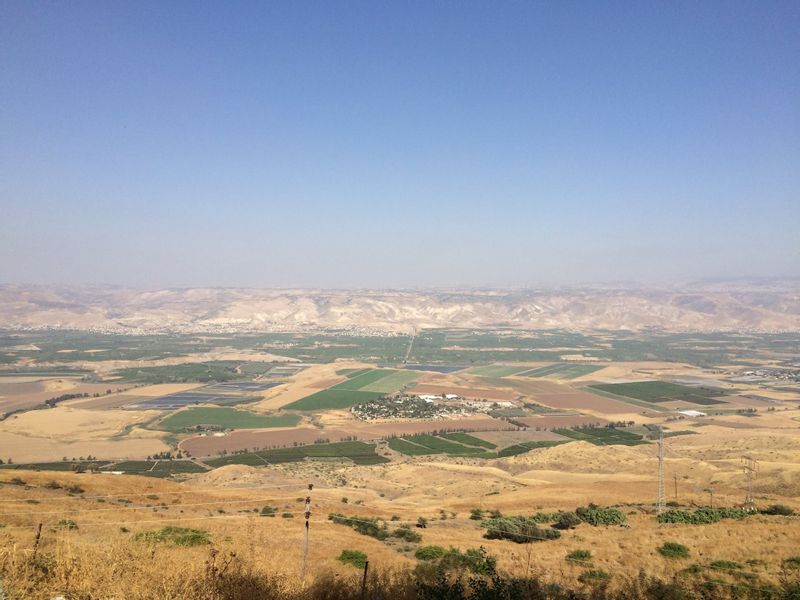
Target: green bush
(594, 577)
(177, 536)
(357, 558)
(429, 553)
(580, 555)
(778, 509)
(674, 550)
(268, 511)
(793, 562)
(725, 565)
(522, 530)
(567, 520)
(476, 514)
(476, 560)
(600, 515)
(364, 525)
(404, 532)
(66, 524)
(287, 515)
(701, 516)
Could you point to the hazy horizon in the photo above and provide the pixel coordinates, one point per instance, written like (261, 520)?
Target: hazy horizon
(357, 145)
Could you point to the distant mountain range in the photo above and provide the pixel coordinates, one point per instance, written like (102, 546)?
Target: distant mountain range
(742, 306)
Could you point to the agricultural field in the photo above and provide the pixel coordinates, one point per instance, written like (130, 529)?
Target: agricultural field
(497, 370)
(562, 371)
(360, 386)
(155, 468)
(359, 452)
(418, 445)
(524, 447)
(223, 418)
(333, 399)
(603, 436)
(663, 391)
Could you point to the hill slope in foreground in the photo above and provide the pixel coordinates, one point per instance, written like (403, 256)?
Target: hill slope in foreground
(772, 306)
(237, 531)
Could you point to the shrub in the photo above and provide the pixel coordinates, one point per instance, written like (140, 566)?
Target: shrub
(600, 515)
(52, 485)
(793, 562)
(356, 558)
(778, 509)
(567, 520)
(476, 514)
(268, 511)
(429, 553)
(404, 532)
(66, 524)
(177, 536)
(674, 550)
(74, 489)
(345, 500)
(594, 577)
(476, 560)
(701, 516)
(364, 525)
(726, 565)
(287, 515)
(16, 481)
(522, 530)
(580, 555)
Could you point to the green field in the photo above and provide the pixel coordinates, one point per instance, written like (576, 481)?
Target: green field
(523, 447)
(393, 382)
(422, 444)
(333, 398)
(603, 436)
(218, 372)
(69, 465)
(359, 452)
(225, 418)
(468, 440)
(663, 391)
(362, 380)
(351, 372)
(562, 371)
(497, 370)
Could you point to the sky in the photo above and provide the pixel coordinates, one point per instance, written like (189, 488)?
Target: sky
(398, 144)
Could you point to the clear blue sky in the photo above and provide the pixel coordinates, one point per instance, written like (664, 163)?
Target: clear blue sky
(398, 144)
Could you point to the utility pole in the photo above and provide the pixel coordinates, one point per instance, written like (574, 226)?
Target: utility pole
(750, 466)
(660, 502)
(675, 478)
(305, 537)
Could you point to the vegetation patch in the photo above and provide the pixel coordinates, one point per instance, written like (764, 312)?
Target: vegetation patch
(519, 529)
(562, 371)
(603, 436)
(333, 398)
(600, 515)
(663, 391)
(175, 536)
(429, 553)
(524, 447)
(701, 516)
(673, 550)
(579, 556)
(469, 440)
(356, 558)
(216, 418)
(359, 452)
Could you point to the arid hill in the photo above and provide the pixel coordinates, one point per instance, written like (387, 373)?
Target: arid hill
(772, 306)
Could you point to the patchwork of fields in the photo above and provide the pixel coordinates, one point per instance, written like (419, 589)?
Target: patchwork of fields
(663, 391)
(360, 386)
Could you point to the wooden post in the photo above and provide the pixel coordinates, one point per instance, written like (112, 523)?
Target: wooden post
(36, 539)
(364, 579)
